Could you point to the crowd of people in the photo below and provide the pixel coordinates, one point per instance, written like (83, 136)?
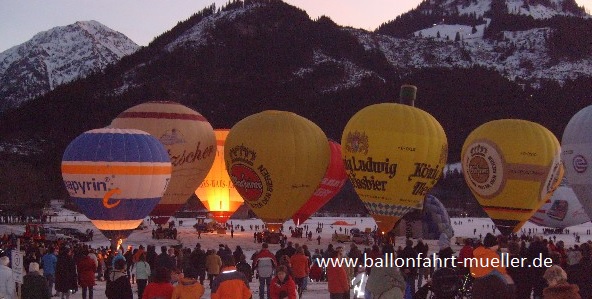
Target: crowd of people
(566, 276)
(61, 268)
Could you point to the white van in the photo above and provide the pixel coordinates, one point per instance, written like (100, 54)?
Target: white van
(53, 234)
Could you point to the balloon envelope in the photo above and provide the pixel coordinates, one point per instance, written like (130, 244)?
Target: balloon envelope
(576, 145)
(116, 177)
(189, 140)
(562, 210)
(512, 167)
(393, 154)
(435, 219)
(330, 185)
(216, 192)
(276, 160)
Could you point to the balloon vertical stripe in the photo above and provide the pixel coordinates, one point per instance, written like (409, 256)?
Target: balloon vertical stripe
(216, 192)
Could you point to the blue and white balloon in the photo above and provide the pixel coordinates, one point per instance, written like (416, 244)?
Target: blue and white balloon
(116, 177)
(435, 219)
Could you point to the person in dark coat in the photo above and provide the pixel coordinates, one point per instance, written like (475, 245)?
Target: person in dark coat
(65, 280)
(198, 261)
(579, 272)
(86, 274)
(118, 284)
(536, 250)
(519, 274)
(34, 284)
(244, 267)
(408, 270)
(151, 256)
(164, 260)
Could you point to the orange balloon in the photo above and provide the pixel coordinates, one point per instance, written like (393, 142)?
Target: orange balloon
(216, 192)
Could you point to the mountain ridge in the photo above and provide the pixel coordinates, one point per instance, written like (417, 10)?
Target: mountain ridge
(271, 55)
(57, 56)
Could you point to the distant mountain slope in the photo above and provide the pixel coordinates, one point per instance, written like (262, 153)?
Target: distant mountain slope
(58, 56)
(239, 60)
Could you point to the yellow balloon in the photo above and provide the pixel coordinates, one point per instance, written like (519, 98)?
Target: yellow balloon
(189, 139)
(276, 160)
(393, 154)
(512, 167)
(216, 192)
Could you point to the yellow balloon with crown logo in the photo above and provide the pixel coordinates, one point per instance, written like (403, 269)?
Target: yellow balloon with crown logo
(276, 160)
(393, 154)
(512, 167)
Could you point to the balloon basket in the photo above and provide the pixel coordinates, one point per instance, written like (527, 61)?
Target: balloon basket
(221, 231)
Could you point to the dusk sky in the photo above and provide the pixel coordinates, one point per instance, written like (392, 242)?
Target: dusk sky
(142, 20)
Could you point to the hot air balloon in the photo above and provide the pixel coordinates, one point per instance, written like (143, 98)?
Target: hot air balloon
(576, 153)
(435, 219)
(190, 141)
(562, 210)
(330, 185)
(512, 167)
(216, 192)
(393, 154)
(276, 160)
(116, 177)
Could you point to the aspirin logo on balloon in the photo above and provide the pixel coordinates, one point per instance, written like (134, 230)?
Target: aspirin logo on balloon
(357, 142)
(580, 164)
(484, 169)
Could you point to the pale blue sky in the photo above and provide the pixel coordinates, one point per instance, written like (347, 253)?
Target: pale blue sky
(142, 20)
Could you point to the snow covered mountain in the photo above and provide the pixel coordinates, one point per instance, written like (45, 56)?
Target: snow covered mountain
(524, 40)
(57, 56)
(538, 9)
(232, 62)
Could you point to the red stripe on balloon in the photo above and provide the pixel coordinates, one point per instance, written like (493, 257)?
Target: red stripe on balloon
(517, 210)
(162, 115)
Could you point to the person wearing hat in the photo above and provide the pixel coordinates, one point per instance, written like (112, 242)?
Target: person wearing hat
(491, 278)
(265, 263)
(282, 285)
(160, 286)
(386, 282)
(49, 261)
(188, 286)
(34, 285)
(7, 284)
(143, 272)
(213, 264)
(231, 283)
(444, 284)
(86, 268)
(66, 278)
(197, 259)
(118, 285)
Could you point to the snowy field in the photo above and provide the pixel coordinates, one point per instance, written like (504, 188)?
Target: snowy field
(188, 237)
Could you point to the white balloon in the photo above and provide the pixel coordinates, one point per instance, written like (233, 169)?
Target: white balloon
(562, 210)
(576, 154)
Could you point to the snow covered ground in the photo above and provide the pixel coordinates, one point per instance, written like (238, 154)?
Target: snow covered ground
(188, 237)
